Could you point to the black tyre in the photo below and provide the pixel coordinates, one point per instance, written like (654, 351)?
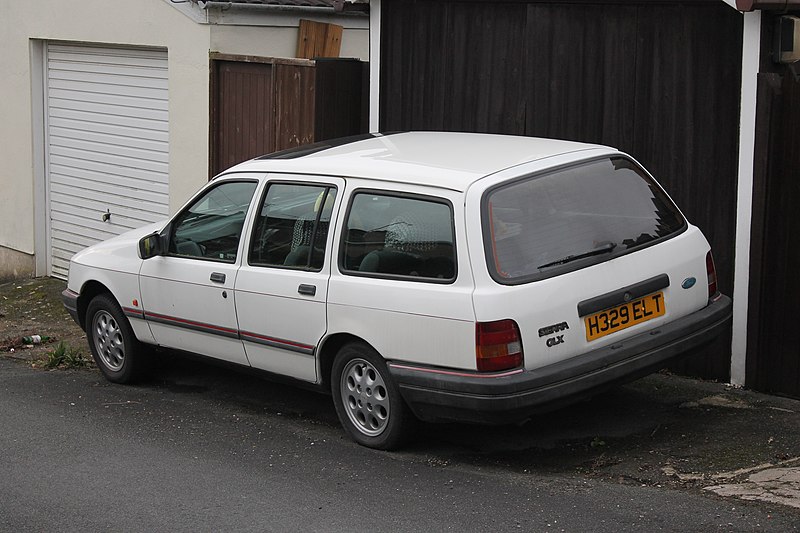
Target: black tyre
(117, 353)
(367, 401)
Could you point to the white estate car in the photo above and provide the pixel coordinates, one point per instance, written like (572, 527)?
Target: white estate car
(434, 276)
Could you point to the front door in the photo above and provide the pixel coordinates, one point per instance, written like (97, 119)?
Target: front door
(282, 286)
(188, 294)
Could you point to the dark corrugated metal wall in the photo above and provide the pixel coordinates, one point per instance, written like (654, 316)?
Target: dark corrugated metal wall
(661, 82)
(773, 347)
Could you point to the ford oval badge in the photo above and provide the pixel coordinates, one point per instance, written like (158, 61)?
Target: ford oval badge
(688, 283)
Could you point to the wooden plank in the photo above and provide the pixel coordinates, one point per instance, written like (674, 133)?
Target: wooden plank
(332, 44)
(242, 122)
(217, 56)
(307, 38)
(318, 39)
(294, 106)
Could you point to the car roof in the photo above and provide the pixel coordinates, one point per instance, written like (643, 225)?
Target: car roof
(449, 160)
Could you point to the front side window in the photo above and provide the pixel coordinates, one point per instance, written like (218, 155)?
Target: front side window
(292, 226)
(399, 236)
(210, 228)
(548, 224)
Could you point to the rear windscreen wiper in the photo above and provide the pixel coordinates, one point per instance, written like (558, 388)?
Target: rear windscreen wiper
(602, 249)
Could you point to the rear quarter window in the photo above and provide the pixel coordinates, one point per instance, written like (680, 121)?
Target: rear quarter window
(399, 236)
(547, 224)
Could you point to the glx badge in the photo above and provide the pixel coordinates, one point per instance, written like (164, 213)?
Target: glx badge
(552, 341)
(555, 328)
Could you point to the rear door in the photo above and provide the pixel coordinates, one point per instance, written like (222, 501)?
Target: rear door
(282, 285)
(403, 283)
(583, 254)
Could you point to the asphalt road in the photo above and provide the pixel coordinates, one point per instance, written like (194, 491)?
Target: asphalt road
(201, 448)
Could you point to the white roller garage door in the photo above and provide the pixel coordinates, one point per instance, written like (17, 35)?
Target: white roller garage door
(107, 144)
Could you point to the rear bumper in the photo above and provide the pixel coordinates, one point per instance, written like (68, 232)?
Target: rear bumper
(436, 394)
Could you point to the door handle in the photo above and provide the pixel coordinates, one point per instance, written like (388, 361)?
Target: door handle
(218, 277)
(310, 290)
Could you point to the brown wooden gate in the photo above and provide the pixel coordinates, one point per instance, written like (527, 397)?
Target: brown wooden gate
(660, 81)
(773, 340)
(261, 105)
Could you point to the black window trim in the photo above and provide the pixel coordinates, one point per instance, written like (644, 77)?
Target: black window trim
(303, 150)
(170, 228)
(396, 277)
(269, 183)
(579, 264)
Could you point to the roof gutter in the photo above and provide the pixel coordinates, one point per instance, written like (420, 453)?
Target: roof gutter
(340, 7)
(266, 7)
(767, 5)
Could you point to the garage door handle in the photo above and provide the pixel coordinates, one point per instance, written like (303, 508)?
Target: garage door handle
(310, 290)
(218, 277)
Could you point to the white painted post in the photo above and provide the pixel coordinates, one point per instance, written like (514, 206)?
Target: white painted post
(374, 63)
(751, 46)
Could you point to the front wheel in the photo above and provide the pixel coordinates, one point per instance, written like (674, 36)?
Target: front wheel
(367, 401)
(114, 347)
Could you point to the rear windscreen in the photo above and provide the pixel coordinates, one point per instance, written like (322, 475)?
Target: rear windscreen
(547, 224)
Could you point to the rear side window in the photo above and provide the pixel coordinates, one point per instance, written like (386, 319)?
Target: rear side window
(399, 237)
(548, 224)
(292, 226)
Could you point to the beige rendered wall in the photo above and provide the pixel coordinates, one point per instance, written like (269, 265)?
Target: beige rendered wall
(280, 39)
(15, 264)
(140, 23)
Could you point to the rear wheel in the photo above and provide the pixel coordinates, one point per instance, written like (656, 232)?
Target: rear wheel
(367, 401)
(114, 347)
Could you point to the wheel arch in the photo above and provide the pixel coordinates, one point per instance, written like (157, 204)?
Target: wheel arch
(89, 290)
(327, 353)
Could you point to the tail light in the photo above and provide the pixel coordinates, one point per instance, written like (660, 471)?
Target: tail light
(712, 275)
(498, 345)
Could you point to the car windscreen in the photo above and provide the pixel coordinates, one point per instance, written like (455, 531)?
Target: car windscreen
(546, 224)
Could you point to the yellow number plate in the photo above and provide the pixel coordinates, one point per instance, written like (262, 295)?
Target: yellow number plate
(624, 316)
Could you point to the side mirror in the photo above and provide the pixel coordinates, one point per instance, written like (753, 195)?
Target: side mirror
(151, 246)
